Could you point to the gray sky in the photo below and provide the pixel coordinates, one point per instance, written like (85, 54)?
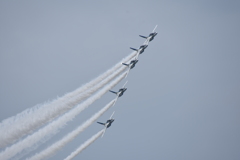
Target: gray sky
(182, 100)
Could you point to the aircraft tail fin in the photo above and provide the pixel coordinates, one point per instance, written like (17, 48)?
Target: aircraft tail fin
(143, 36)
(101, 123)
(134, 49)
(113, 92)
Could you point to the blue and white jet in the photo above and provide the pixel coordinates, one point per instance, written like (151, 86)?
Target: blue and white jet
(108, 123)
(131, 65)
(151, 35)
(120, 91)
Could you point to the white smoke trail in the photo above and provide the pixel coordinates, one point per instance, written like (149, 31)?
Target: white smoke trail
(13, 128)
(51, 150)
(87, 93)
(53, 127)
(84, 145)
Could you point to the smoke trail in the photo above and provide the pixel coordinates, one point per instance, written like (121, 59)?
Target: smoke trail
(84, 145)
(87, 93)
(13, 128)
(70, 136)
(84, 95)
(53, 127)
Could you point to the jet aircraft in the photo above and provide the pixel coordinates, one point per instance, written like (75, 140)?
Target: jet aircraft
(132, 64)
(151, 35)
(141, 49)
(120, 91)
(108, 123)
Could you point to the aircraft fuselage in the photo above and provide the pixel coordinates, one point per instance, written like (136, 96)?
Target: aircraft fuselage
(133, 63)
(109, 122)
(121, 91)
(143, 47)
(152, 35)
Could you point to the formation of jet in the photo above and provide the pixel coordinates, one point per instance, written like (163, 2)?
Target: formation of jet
(131, 65)
(108, 123)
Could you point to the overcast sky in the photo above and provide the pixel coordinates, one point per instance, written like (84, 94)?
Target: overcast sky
(183, 97)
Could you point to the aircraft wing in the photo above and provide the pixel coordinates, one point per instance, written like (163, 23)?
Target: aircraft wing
(101, 123)
(143, 36)
(113, 92)
(134, 48)
(125, 64)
